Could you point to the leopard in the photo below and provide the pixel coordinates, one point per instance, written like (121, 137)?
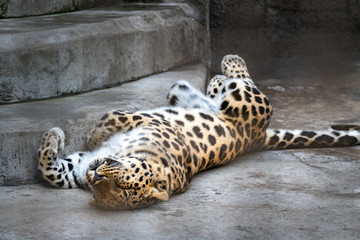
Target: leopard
(136, 159)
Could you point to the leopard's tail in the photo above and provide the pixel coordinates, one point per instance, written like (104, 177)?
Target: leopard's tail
(336, 136)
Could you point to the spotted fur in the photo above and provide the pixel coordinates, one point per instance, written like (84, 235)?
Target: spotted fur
(215, 87)
(137, 158)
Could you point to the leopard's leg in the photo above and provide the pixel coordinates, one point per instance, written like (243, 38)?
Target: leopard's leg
(233, 66)
(215, 87)
(115, 121)
(62, 173)
(243, 105)
(182, 94)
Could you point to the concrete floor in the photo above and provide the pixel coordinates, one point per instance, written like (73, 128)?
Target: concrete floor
(293, 194)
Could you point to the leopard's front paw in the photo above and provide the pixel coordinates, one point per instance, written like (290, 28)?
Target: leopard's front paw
(179, 94)
(54, 138)
(52, 141)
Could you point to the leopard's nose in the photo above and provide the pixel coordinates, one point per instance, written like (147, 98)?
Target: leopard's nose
(97, 177)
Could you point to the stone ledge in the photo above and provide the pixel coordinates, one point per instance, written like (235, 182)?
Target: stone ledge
(49, 56)
(22, 125)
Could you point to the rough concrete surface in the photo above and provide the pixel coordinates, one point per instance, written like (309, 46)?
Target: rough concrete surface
(22, 125)
(201, 8)
(81, 51)
(22, 8)
(303, 194)
(293, 194)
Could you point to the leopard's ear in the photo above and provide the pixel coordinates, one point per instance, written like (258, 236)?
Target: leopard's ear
(161, 195)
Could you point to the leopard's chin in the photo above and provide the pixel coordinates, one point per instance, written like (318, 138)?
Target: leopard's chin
(106, 197)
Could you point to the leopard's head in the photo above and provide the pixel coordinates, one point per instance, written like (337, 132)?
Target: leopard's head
(125, 183)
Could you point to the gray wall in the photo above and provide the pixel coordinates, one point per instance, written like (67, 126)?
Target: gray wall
(289, 32)
(23, 8)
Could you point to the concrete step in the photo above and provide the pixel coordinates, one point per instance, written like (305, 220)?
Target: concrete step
(22, 124)
(49, 56)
